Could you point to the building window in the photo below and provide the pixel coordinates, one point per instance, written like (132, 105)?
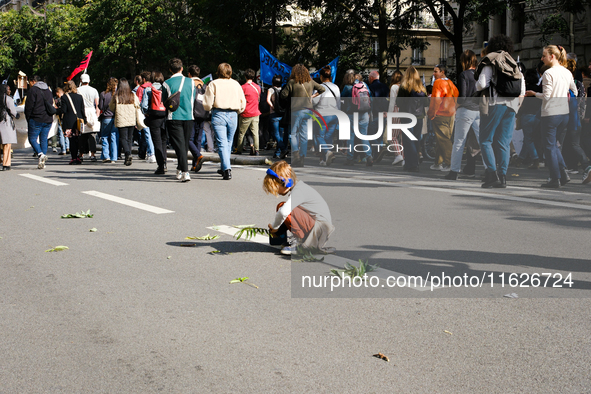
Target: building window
(417, 57)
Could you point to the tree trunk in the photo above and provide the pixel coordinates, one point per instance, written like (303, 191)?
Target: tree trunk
(383, 42)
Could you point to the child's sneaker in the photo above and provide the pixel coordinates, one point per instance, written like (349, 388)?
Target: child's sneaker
(288, 250)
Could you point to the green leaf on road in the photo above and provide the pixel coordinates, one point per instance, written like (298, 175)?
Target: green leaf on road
(251, 232)
(205, 237)
(57, 249)
(93, 230)
(78, 215)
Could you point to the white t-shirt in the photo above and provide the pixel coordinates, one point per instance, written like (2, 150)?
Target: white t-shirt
(302, 195)
(331, 98)
(556, 83)
(89, 94)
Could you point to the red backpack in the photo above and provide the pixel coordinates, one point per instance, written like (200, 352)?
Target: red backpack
(156, 107)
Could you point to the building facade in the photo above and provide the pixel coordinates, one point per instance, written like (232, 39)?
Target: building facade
(527, 35)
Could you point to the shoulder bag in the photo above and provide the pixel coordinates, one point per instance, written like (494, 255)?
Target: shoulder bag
(80, 127)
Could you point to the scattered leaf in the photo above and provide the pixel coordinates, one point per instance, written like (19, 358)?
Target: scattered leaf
(251, 232)
(78, 215)
(169, 257)
(514, 174)
(381, 356)
(93, 230)
(447, 332)
(215, 228)
(57, 249)
(353, 271)
(243, 280)
(215, 251)
(205, 237)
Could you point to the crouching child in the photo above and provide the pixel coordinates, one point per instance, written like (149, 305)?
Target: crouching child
(305, 213)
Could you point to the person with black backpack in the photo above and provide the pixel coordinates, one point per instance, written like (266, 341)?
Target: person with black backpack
(499, 82)
(277, 113)
(39, 111)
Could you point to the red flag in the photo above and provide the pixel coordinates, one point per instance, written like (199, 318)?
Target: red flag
(83, 66)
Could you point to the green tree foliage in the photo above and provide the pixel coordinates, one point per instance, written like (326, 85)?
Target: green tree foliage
(385, 20)
(326, 37)
(39, 43)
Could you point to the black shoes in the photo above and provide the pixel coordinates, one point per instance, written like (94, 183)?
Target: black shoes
(552, 184)
(502, 182)
(491, 179)
(159, 171)
(369, 162)
(451, 176)
(227, 175)
(128, 160)
(5, 168)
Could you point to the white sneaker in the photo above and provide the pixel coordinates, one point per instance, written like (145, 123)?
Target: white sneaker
(185, 177)
(288, 250)
(179, 174)
(397, 160)
(436, 167)
(322, 163)
(42, 160)
(445, 168)
(151, 159)
(329, 158)
(587, 175)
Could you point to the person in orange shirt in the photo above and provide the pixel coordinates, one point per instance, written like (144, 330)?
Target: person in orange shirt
(442, 110)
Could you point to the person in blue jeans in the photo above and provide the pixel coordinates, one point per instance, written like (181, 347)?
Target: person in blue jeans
(109, 133)
(225, 99)
(38, 105)
(497, 121)
(277, 114)
(330, 100)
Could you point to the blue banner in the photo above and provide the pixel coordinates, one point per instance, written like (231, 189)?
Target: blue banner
(270, 67)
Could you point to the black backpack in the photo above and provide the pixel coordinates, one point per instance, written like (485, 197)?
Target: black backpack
(277, 103)
(199, 112)
(507, 86)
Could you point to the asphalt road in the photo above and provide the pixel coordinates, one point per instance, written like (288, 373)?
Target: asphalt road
(129, 309)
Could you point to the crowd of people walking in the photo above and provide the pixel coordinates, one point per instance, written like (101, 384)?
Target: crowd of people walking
(493, 97)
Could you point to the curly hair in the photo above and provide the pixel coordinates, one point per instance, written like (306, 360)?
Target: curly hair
(500, 43)
(112, 85)
(300, 74)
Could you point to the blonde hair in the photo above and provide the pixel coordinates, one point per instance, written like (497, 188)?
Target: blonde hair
(70, 87)
(411, 82)
(271, 184)
(558, 51)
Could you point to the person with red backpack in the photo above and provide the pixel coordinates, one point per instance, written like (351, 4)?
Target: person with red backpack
(155, 112)
(357, 99)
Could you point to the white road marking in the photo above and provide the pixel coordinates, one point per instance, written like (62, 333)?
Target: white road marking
(41, 179)
(329, 259)
(505, 197)
(130, 203)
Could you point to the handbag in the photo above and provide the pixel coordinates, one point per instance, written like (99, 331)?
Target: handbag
(174, 101)
(79, 121)
(139, 119)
